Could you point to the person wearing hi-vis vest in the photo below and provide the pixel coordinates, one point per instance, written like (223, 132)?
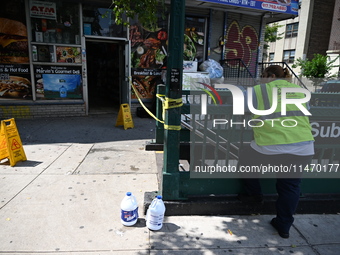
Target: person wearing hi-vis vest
(282, 141)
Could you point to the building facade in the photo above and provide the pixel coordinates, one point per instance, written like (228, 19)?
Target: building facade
(70, 58)
(334, 41)
(314, 31)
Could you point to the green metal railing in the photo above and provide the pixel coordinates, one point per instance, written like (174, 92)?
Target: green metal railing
(225, 141)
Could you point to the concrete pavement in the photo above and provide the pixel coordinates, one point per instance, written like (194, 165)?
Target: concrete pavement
(65, 199)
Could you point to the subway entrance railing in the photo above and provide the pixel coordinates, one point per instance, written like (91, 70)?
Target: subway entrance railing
(201, 143)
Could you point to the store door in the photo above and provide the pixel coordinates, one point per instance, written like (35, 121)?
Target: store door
(105, 75)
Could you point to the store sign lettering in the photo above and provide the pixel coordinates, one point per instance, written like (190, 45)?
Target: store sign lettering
(289, 7)
(274, 7)
(56, 71)
(325, 129)
(43, 10)
(23, 69)
(326, 132)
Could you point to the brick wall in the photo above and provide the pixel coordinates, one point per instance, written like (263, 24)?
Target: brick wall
(42, 110)
(321, 27)
(334, 43)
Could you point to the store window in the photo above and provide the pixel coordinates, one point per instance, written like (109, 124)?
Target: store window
(56, 51)
(289, 56)
(292, 30)
(101, 22)
(15, 81)
(55, 22)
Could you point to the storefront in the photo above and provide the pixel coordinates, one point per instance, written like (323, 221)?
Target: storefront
(61, 58)
(69, 58)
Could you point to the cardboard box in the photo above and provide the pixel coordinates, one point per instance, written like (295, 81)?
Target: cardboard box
(190, 66)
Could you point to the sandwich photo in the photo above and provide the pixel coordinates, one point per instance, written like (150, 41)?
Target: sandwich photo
(15, 87)
(13, 41)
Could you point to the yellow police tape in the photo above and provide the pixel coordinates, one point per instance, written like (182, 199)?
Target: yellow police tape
(167, 103)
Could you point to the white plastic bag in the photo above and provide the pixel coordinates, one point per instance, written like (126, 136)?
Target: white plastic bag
(214, 69)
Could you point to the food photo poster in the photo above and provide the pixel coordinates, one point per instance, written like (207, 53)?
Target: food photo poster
(15, 80)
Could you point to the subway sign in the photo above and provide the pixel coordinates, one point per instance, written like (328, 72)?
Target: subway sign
(326, 132)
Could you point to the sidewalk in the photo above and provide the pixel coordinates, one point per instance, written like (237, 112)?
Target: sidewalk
(65, 199)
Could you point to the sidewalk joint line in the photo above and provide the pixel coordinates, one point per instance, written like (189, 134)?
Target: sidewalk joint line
(308, 243)
(33, 179)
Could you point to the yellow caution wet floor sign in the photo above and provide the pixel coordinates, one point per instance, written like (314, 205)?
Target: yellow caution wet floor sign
(124, 117)
(10, 143)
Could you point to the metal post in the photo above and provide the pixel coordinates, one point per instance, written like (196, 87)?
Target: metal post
(170, 188)
(159, 113)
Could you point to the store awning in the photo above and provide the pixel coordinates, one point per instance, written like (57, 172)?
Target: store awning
(273, 11)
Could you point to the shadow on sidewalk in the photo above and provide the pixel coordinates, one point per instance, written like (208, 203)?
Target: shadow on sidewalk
(88, 129)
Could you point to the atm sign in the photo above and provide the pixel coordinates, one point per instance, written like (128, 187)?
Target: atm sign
(46, 10)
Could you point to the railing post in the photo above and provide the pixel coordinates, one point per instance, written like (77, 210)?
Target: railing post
(159, 115)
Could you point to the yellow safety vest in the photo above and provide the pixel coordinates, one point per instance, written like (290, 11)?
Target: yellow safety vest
(274, 129)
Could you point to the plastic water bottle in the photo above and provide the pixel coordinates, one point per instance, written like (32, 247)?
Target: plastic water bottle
(63, 92)
(155, 214)
(35, 53)
(129, 210)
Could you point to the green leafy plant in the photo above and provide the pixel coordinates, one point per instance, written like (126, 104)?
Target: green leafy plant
(146, 10)
(271, 35)
(316, 69)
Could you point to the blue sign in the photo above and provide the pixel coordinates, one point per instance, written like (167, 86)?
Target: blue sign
(62, 85)
(283, 6)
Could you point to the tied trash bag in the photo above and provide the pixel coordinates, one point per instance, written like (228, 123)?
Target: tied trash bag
(214, 69)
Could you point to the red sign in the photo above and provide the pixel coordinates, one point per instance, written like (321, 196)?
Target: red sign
(43, 10)
(15, 145)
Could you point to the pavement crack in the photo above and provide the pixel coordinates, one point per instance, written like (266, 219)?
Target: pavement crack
(75, 170)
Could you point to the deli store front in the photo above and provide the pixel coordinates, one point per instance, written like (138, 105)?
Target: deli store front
(61, 58)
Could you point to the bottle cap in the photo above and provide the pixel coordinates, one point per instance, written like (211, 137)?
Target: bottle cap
(159, 197)
(128, 193)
